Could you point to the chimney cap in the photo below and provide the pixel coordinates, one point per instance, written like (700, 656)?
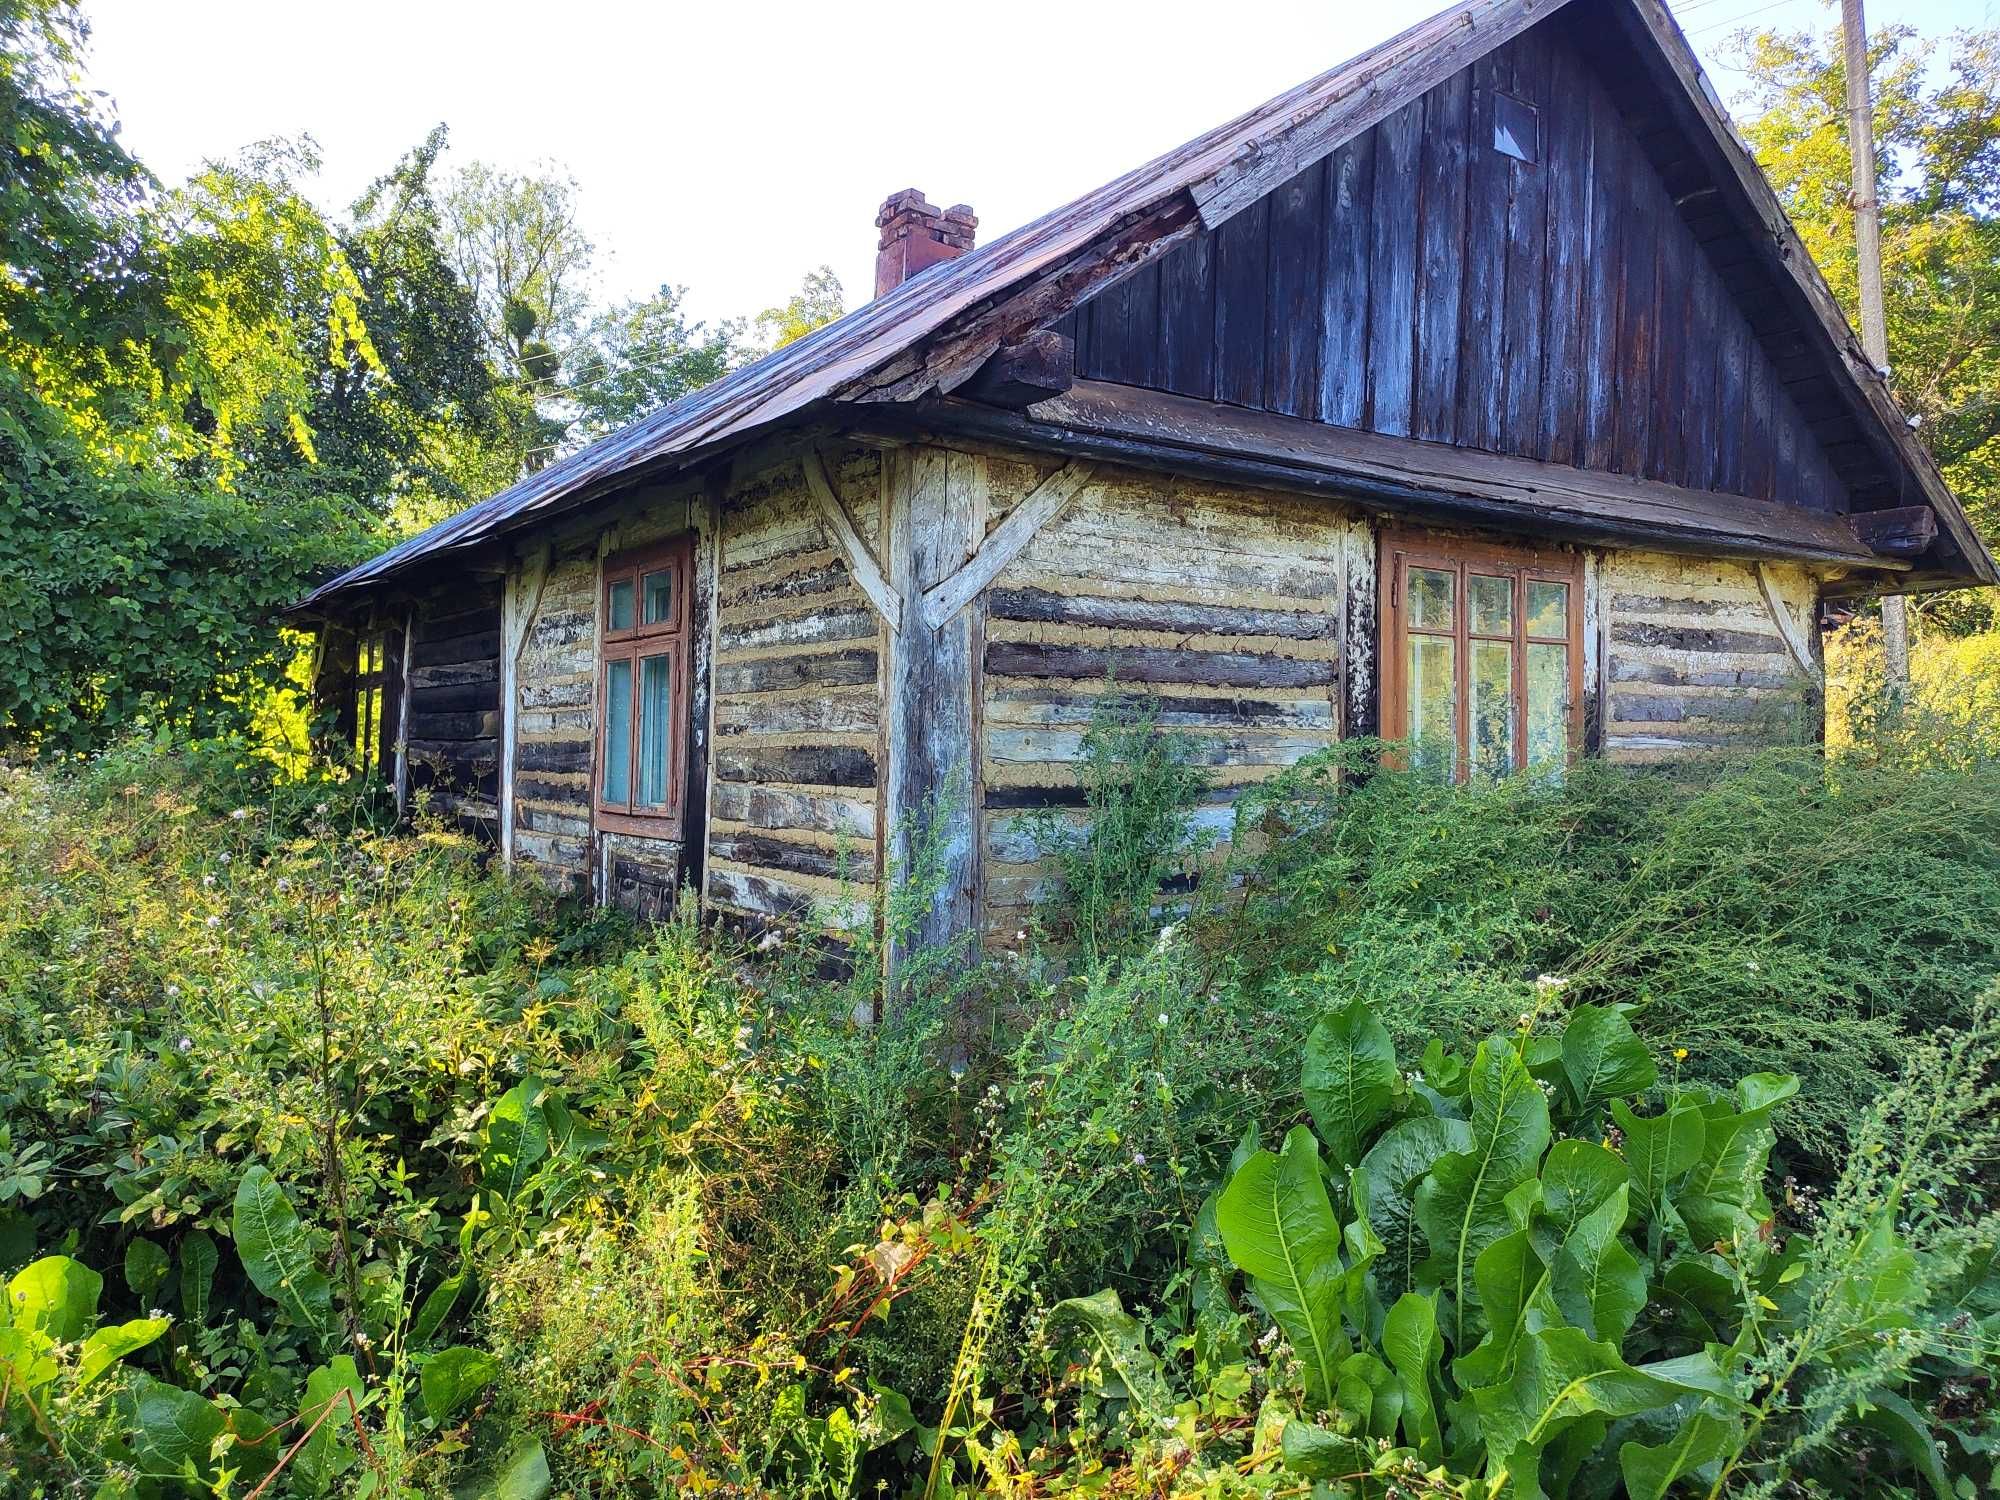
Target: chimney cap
(917, 234)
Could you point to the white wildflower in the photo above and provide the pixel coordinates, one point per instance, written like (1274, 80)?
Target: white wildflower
(1549, 983)
(1163, 1018)
(239, 815)
(213, 923)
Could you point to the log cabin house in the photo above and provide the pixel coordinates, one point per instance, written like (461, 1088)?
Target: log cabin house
(1477, 392)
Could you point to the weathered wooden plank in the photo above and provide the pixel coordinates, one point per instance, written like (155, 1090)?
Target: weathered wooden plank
(1905, 531)
(1124, 322)
(1055, 707)
(1154, 428)
(1605, 248)
(553, 756)
(1442, 188)
(826, 713)
(1297, 230)
(470, 725)
(1524, 311)
(1113, 612)
(455, 697)
(800, 765)
(1482, 315)
(1566, 259)
(771, 807)
(1187, 317)
(1343, 316)
(1156, 664)
(813, 627)
(1393, 269)
(449, 674)
(1693, 637)
(1034, 746)
(453, 650)
(776, 674)
(933, 689)
(1242, 288)
(855, 865)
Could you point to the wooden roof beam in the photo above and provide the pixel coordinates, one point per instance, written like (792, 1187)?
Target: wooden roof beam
(1151, 429)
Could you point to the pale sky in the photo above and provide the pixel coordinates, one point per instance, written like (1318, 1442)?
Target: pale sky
(731, 147)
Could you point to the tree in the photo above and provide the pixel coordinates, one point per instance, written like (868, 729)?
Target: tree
(638, 357)
(1937, 128)
(819, 300)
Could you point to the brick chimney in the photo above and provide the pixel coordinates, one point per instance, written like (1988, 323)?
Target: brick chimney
(916, 235)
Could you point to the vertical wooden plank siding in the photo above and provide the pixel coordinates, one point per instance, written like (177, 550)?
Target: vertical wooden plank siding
(1392, 273)
(1447, 110)
(556, 687)
(1694, 661)
(797, 683)
(1225, 607)
(1421, 282)
(1343, 315)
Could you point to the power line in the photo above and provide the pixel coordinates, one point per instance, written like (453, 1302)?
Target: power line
(1734, 20)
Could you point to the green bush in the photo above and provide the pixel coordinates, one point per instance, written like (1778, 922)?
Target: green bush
(499, 1192)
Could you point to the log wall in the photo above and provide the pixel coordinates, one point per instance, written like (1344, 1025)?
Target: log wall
(1696, 661)
(1230, 608)
(453, 740)
(799, 679)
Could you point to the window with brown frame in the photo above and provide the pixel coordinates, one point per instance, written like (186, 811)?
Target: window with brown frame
(642, 689)
(1482, 654)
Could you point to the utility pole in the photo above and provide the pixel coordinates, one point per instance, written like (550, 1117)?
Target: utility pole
(1868, 266)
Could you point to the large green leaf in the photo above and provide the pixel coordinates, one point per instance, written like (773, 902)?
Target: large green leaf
(333, 1392)
(1658, 1150)
(1278, 1226)
(1115, 1351)
(1461, 1205)
(276, 1255)
(1512, 1279)
(145, 1269)
(173, 1430)
(1603, 1058)
(437, 1307)
(1561, 1376)
(1723, 1191)
(1577, 1176)
(517, 1137)
(1350, 1079)
(1314, 1453)
(1410, 1339)
(108, 1345)
(198, 1257)
(56, 1296)
(1597, 1281)
(1392, 1168)
(1651, 1471)
(523, 1476)
(1893, 1418)
(453, 1377)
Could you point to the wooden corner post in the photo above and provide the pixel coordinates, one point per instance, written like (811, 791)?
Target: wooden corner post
(933, 514)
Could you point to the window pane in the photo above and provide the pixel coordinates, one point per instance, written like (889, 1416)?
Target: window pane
(618, 727)
(1433, 726)
(621, 608)
(1548, 703)
(1491, 707)
(1430, 598)
(659, 598)
(656, 711)
(1492, 604)
(1548, 608)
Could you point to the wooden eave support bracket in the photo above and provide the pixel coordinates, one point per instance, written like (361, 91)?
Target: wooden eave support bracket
(1907, 531)
(1019, 374)
(860, 561)
(1044, 503)
(1794, 635)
